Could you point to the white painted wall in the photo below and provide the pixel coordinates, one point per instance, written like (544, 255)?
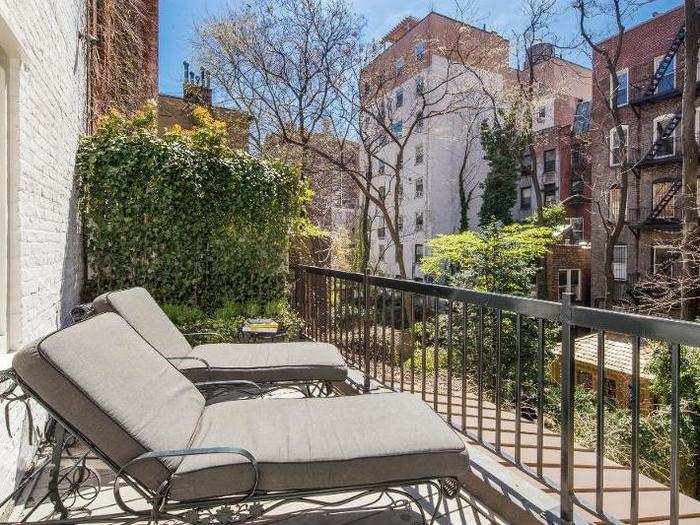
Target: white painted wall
(444, 140)
(46, 74)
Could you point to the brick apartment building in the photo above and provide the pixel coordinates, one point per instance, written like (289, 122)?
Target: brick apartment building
(415, 58)
(196, 91)
(650, 109)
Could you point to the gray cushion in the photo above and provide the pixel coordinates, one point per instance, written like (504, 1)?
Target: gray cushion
(320, 443)
(108, 383)
(304, 361)
(142, 312)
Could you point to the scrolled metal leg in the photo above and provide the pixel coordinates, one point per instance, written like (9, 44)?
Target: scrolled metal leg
(56, 454)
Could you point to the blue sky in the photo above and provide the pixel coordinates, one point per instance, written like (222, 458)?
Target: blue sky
(178, 19)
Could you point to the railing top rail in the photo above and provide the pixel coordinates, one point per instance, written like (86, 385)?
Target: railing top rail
(658, 328)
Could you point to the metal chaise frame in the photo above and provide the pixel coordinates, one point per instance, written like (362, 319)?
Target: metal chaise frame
(248, 506)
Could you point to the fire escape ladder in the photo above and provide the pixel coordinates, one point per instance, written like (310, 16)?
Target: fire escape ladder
(662, 137)
(665, 62)
(662, 203)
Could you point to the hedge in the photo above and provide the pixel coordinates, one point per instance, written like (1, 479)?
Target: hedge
(182, 214)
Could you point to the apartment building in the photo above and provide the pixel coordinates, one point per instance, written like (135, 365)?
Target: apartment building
(428, 78)
(560, 123)
(650, 75)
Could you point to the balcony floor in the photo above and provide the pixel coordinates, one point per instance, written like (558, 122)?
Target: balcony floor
(464, 510)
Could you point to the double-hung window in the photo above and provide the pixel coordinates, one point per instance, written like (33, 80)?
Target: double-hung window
(618, 145)
(621, 95)
(668, 79)
(620, 262)
(570, 282)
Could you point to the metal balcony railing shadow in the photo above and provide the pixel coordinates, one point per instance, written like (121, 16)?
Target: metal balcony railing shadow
(484, 361)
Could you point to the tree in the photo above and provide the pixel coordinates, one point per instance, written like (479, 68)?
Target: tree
(504, 144)
(689, 172)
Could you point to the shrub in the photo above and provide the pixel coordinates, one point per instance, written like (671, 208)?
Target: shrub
(184, 215)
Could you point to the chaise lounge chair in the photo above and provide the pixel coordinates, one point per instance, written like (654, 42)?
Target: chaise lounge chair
(153, 428)
(293, 363)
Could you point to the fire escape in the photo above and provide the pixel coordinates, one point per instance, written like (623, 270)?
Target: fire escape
(666, 134)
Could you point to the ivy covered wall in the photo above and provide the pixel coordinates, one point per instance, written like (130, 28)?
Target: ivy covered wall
(182, 214)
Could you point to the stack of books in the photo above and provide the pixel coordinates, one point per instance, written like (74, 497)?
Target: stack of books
(260, 326)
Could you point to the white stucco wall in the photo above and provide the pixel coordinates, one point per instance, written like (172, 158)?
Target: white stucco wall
(47, 114)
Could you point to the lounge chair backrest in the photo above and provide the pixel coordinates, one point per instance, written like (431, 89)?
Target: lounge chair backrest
(105, 381)
(142, 312)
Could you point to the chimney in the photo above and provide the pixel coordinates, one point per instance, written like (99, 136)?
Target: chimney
(540, 52)
(197, 88)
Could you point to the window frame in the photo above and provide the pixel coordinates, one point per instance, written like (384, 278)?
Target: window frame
(416, 258)
(619, 72)
(419, 154)
(568, 287)
(418, 225)
(529, 202)
(399, 65)
(398, 98)
(625, 262)
(657, 61)
(552, 162)
(419, 50)
(669, 211)
(397, 128)
(613, 133)
(671, 137)
(419, 195)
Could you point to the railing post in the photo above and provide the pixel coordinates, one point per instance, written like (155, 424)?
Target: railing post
(566, 505)
(365, 336)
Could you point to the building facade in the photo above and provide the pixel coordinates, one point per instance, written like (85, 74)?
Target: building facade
(650, 75)
(440, 141)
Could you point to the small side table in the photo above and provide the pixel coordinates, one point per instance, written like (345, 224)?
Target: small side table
(250, 336)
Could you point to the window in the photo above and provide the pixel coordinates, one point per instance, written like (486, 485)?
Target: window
(664, 258)
(418, 253)
(550, 198)
(620, 262)
(419, 154)
(381, 229)
(622, 94)
(382, 167)
(570, 282)
(584, 378)
(382, 192)
(658, 190)
(419, 187)
(380, 255)
(399, 64)
(399, 97)
(419, 221)
(527, 164)
(618, 147)
(397, 128)
(420, 85)
(525, 198)
(576, 228)
(666, 144)
(668, 79)
(420, 50)
(550, 160)
(420, 124)
(541, 114)
(614, 203)
(399, 223)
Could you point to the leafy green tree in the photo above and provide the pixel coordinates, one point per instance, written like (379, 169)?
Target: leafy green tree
(504, 143)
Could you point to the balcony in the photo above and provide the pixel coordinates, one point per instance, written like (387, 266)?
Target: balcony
(484, 362)
(645, 217)
(670, 152)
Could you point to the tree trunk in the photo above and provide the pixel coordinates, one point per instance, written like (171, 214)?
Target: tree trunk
(365, 225)
(689, 175)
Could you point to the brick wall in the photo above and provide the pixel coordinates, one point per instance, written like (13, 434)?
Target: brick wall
(47, 101)
(568, 257)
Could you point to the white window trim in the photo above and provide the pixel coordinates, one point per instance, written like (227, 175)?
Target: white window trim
(657, 61)
(613, 132)
(578, 294)
(626, 262)
(673, 135)
(627, 87)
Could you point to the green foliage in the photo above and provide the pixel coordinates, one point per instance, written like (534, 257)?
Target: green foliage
(504, 144)
(184, 215)
(229, 318)
(499, 259)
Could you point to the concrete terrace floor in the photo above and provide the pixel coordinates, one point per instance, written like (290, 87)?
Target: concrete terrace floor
(384, 509)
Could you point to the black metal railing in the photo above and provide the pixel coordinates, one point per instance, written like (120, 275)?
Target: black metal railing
(484, 361)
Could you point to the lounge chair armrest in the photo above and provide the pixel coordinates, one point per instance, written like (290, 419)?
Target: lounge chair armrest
(190, 358)
(204, 385)
(204, 334)
(183, 452)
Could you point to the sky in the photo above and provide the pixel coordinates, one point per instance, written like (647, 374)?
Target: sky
(179, 18)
